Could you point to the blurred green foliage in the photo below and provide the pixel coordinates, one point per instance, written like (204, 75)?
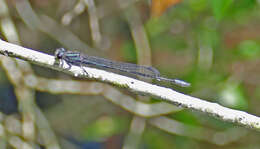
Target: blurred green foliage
(104, 127)
(221, 7)
(249, 49)
(129, 53)
(185, 117)
(202, 37)
(233, 95)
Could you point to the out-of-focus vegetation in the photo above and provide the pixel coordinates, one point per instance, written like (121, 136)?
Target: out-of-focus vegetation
(213, 44)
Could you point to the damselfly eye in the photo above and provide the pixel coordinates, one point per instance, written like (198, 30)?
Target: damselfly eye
(59, 55)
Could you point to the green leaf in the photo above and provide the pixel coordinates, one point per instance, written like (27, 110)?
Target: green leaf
(220, 7)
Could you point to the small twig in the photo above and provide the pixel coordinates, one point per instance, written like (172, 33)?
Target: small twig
(167, 94)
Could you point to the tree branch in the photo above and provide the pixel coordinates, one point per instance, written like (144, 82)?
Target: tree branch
(166, 94)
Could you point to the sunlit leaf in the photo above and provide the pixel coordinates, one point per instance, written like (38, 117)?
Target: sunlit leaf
(232, 95)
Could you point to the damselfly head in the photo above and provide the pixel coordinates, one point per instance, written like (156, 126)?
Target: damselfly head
(59, 53)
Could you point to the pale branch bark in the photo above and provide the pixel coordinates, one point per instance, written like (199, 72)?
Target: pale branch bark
(166, 94)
